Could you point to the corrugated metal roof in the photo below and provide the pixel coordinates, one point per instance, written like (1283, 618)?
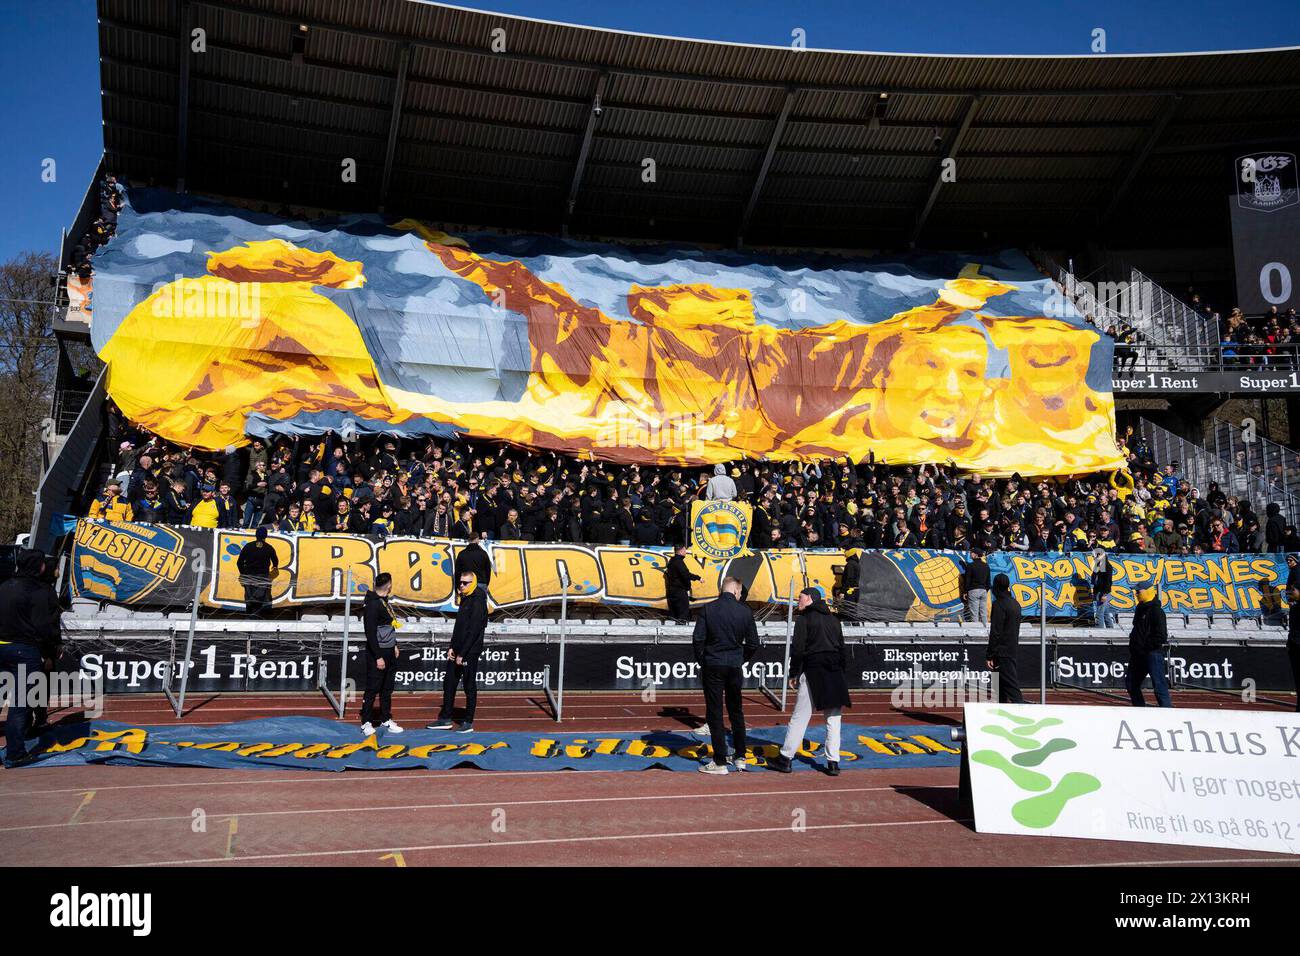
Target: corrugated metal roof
(491, 137)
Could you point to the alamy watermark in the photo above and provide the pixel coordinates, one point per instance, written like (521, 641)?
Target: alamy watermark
(38, 689)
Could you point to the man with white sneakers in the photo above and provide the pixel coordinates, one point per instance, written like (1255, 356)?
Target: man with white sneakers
(818, 662)
(381, 657)
(725, 640)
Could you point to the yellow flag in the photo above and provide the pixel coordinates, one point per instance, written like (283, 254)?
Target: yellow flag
(720, 529)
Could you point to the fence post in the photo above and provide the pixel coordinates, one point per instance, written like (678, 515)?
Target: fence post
(564, 627)
(789, 632)
(199, 558)
(347, 631)
(1042, 642)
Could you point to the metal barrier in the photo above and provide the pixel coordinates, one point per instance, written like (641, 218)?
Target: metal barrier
(556, 697)
(1200, 466)
(1253, 454)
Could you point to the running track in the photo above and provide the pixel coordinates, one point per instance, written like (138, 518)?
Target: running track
(146, 816)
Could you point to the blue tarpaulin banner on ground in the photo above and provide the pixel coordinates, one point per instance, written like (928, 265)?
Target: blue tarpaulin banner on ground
(313, 743)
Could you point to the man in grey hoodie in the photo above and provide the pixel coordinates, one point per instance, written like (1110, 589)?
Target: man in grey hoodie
(721, 487)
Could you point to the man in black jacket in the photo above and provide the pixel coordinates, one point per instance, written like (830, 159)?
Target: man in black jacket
(29, 640)
(818, 661)
(382, 654)
(462, 656)
(257, 565)
(975, 588)
(1004, 641)
(677, 585)
(725, 639)
(475, 560)
(1146, 649)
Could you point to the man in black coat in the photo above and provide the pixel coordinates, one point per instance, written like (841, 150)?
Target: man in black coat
(725, 639)
(29, 641)
(474, 559)
(1004, 641)
(462, 656)
(382, 654)
(1146, 649)
(677, 585)
(257, 565)
(818, 661)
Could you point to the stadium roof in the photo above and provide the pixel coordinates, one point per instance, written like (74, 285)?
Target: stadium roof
(780, 146)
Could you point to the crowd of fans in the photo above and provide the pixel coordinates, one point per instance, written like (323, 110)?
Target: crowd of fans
(383, 485)
(81, 258)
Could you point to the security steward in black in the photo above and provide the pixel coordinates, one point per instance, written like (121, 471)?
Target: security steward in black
(462, 656)
(381, 657)
(677, 585)
(257, 566)
(725, 639)
(1004, 641)
(474, 559)
(29, 641)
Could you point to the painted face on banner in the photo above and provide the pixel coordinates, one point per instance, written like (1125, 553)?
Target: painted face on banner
(935, 382)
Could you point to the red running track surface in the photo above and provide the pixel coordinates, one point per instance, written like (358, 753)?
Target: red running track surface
(144, 816)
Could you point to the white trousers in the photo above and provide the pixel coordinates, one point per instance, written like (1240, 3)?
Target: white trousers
(803, 711)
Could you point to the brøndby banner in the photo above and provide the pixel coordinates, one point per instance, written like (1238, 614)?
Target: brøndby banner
(218, 322)
(720, 529)
(150, 565)
(1221, 778)
(311, 743)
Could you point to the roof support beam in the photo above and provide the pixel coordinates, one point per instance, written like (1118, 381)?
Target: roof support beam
(183, 94)
(394, 121)
(580, 166)
(778, 128)
(1140, 157)
(950, 152)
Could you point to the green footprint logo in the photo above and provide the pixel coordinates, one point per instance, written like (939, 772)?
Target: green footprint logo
(1024, 779)
(1042, 809)
(1035, 757)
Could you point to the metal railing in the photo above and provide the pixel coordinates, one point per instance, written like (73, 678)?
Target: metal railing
(1199, 466)
(1253, 454)
(1171, 336)
(1171, 320)
(68, 404)
(1280, 359)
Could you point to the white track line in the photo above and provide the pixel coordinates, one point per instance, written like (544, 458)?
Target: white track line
(553, 840)
(461, 775)
(457, 806)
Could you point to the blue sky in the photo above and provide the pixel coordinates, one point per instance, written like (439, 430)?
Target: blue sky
(50, 104)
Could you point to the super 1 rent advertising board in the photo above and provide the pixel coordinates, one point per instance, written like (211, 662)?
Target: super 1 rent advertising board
(1216, 778)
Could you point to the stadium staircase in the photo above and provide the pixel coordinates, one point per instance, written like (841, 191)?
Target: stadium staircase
(1201, 465)
(1262, 457)
(76, 453)
(1172, 336)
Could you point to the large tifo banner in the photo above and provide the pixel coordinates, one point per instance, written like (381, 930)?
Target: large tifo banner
(217, 322)
(153, 565)
(1221, 778)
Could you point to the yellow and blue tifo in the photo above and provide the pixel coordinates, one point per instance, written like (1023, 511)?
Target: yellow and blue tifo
(312, 743)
